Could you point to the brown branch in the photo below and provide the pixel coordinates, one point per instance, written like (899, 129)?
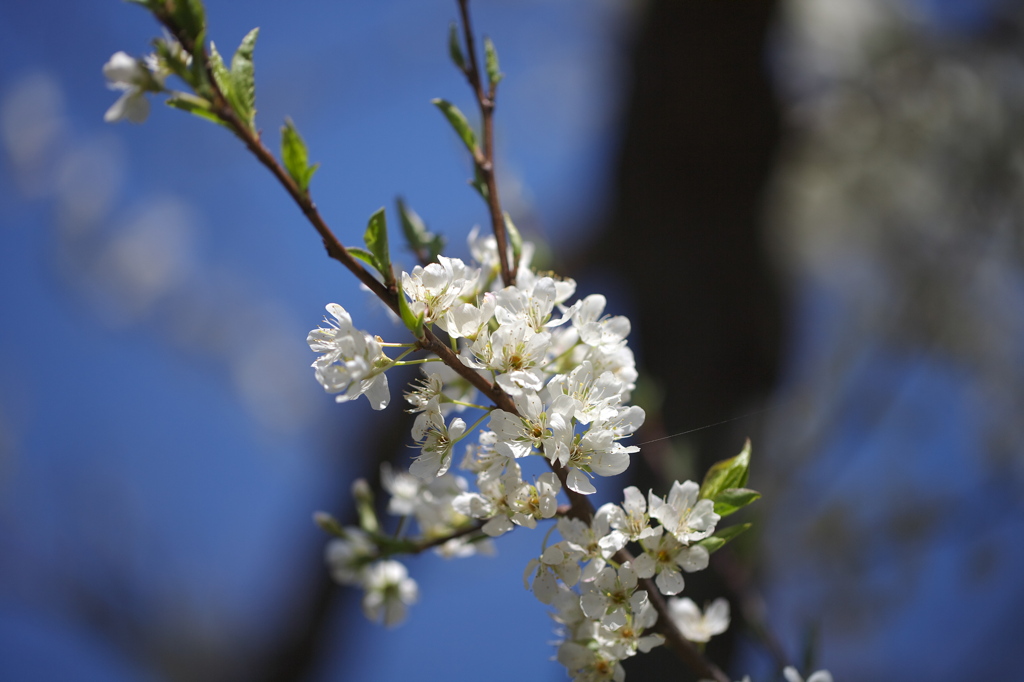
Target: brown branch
(580, 506)
(485, 165)
(674, 639)
(226, 113)
(435, 542)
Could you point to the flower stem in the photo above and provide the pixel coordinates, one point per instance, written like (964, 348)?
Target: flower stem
(398, 363)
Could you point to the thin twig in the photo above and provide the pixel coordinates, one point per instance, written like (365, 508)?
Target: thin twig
(485, 166)
(434, 542)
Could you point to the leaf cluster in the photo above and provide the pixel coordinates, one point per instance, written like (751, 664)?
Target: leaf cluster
(724, 484)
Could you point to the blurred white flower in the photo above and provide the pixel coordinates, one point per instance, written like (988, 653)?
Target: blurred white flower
(697, 626)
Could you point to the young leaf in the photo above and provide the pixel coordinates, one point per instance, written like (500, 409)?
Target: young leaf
(514, 238)
(728, 473)
(363, 496)
(731, 500)
(295, 156)
(425, 244)
(220, 73)
(329, 524)
(717, 541)
(413, 322)
(243, 84)
(458, 122)
(376, 238)
(199, 80)
(363, 255)
(173, 57)
(194, 105)
(191, 17)
(479, 183)
(455, 47)
(494, 74)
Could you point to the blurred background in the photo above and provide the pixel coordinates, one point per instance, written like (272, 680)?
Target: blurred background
(810, 209)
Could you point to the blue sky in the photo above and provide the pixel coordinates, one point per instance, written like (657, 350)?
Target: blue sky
(163, 443)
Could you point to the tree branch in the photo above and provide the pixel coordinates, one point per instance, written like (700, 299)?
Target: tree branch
(485, 165)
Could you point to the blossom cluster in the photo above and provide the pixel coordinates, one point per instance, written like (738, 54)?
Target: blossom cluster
(569, 373)
(603, 614)
(567, 368)
(387, 587)
(557, 368)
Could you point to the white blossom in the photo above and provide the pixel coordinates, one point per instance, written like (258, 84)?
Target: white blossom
(696, 626)
(532, 502)
(426, 393)
(683, 515)
(491, 502)
(434, 512)
(466, 320)
(588, 665)
(631, 518)
(595, 540)
(612, 596)
(511, 351)
(405, 490)
(483, 459)
(434, 289)
(134, 77)
(436, 440)
(389, 590)
(348, 557)
(595, 396)
(462, 547)
(535, 426)
(624, 641)
(598, 331)
(558, 562)
(534, 304)
(352, 364)
(619, 361)
(664, 555)
(596, 452)
(792, 675)
(439, 388)
(484, 248)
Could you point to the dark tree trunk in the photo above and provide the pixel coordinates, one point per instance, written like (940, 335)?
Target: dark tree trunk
(702, 128)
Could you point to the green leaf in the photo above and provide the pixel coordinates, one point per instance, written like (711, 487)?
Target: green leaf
(418, 237)
(479, 183)
(514, 237)
(174, 59)
(191, 17)
(243, 83)
(220, 73)
(199, 81)
(363, 496)
(455, 47)
(717, 541)
(376, 238)
(729, 473)
(295, 156)
(364, 256)
(494, 74)
(731, 500)
(413, 322)
(329, 524)
(194, 105)
(458, 122)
